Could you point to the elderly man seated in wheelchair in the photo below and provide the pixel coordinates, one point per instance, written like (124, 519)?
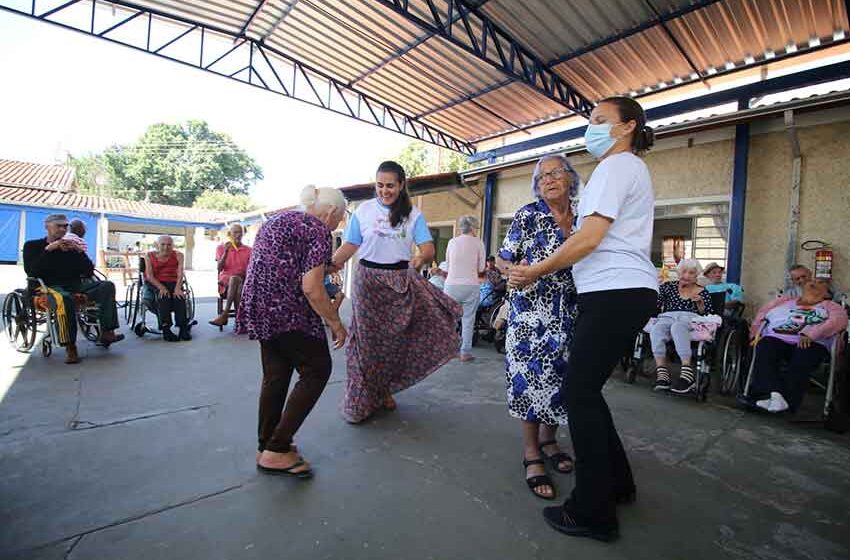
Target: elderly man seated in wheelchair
(680, 302)
(796, 329)
(164, 289)
(64, 269)
(712, 279)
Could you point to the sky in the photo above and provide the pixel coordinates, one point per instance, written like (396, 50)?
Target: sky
(63, 92)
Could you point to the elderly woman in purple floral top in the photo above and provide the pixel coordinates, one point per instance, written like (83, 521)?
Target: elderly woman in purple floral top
(283, 304)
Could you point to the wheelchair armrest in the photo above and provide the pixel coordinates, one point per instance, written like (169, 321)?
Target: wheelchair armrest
(39, 281)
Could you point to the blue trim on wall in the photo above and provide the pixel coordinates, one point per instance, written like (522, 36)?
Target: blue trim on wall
(738, 205)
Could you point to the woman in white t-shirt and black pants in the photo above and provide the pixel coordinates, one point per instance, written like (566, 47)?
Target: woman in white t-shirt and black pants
(617, 290)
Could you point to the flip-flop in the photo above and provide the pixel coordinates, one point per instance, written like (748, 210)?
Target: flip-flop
(287, 471)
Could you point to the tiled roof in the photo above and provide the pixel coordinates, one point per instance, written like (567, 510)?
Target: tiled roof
(74, 201)
(26, 174)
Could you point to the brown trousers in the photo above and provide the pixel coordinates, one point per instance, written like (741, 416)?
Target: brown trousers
(280, 417)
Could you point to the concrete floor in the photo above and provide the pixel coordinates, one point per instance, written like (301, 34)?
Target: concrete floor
(147, 450)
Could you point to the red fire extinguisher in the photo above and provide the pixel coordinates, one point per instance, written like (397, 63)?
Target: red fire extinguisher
(823, 258)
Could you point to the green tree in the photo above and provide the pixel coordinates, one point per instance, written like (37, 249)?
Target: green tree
(224, 201)
(169, 164)
(419, 158)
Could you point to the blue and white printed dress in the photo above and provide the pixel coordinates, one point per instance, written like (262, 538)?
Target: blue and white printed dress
(540, 322)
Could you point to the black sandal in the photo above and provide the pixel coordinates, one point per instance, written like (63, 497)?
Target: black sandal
(539, 480)
(287, 471)
(556, 459)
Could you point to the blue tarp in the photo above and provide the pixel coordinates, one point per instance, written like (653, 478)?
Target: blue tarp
(10, 226)
(35, 226)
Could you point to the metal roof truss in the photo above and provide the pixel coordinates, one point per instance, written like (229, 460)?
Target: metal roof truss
(233, 56)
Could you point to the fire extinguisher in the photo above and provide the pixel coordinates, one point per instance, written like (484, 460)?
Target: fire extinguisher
(823, 258)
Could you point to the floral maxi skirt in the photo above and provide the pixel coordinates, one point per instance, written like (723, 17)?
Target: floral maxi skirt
(403, 329)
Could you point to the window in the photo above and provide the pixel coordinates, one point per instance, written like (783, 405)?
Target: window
(502, 227)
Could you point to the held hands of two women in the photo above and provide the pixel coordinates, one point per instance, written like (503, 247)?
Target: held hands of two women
(521, 275)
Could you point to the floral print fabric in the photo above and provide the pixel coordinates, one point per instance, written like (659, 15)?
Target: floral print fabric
(540, 321)
(403, 329)
(287, 246)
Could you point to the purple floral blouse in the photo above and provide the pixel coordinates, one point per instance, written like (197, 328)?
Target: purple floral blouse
(286, 247)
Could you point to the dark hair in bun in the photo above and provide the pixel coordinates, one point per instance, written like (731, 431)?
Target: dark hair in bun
(643, 136)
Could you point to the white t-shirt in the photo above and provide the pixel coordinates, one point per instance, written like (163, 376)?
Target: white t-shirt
(620, 188)
(465, 256)
(369, 228)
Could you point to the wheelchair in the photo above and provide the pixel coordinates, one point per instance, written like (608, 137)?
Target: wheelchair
(485, 317)
(725, 353)
(141, 299)
(831, 377)
(27, 311)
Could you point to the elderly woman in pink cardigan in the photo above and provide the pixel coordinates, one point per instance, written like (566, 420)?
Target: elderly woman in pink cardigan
(799, 330)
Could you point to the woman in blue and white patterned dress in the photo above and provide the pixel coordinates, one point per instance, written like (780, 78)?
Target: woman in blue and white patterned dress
(540, 322)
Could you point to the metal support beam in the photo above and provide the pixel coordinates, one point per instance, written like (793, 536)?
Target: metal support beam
(832, 72)
(660, 19)
(267, 68)
(663, 23)
(487, 226)
(794, 203)
(739, 201)
(482, 37)
(248, 21)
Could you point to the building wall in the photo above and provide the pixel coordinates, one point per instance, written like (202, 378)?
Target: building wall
(446, 207)
(824, 205)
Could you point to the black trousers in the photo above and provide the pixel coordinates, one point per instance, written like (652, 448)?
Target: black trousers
(166, 305)
(790, 382)
(280, 417)
(606, 326)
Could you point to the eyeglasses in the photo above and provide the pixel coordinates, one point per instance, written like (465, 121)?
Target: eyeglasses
(554, 174)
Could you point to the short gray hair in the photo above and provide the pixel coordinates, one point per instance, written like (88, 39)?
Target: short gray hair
(467, 223)
(689, 264)
(535, 176)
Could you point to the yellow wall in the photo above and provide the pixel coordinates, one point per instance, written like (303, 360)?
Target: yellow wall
(689, 172)
(824, 204)
(446, 207)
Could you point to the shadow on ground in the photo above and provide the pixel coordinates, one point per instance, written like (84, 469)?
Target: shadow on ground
(147, 450)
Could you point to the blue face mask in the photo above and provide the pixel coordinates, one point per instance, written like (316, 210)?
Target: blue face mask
(597, 139)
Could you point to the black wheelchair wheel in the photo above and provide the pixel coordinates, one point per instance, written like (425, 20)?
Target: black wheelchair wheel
(139, 329)
(129, 302)
(190, 303)
(731, 362)
(19, 321)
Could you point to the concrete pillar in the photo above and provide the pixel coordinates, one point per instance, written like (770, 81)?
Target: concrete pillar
(102, 239)
(189, 236)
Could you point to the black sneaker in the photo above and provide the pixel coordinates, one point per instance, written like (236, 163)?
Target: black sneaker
(683, 385)
(168, 334)
(184, 334)
(661, 385)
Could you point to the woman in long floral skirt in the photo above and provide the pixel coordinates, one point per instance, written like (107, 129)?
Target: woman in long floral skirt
(403, 328)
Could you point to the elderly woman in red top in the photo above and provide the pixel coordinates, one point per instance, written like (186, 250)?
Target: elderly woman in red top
(232, 259)
(164, 273)
(283, 304)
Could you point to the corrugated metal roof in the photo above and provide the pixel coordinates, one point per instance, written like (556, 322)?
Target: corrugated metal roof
(51, 198)
(600, 47)
(25, 174)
